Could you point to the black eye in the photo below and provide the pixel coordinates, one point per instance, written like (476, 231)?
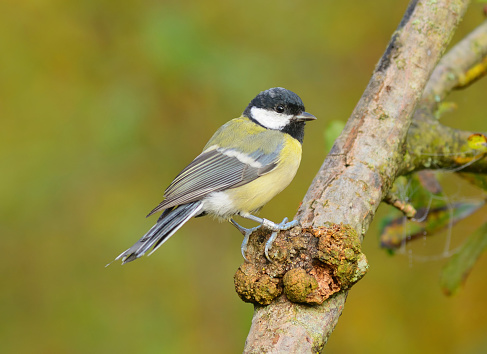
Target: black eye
(280, 108)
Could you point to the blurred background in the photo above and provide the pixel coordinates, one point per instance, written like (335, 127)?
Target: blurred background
(102, 103)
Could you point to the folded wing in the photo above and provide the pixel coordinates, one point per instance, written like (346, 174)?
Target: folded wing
(215, 170)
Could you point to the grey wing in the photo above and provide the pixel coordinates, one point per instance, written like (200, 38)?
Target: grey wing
(213, 171)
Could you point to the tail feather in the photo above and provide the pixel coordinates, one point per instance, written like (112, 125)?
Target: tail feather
(168, 223)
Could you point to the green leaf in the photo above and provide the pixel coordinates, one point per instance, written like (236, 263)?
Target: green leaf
(397, 231)
(459, 266)
(332, 132)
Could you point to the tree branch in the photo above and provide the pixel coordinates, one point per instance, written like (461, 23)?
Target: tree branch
(453, 67)
(431, 144)
(361, 166)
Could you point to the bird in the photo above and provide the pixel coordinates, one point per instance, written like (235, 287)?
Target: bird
(246, 163)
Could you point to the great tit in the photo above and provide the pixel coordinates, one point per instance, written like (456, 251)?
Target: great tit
(247, 162)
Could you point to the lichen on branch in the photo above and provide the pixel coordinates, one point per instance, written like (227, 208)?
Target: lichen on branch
(310, 265)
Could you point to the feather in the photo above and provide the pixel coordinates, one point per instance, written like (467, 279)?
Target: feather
(215, 170)
(168, 223)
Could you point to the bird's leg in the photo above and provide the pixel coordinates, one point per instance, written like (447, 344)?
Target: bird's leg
(242, 229)
(284, 225)
(246, 233)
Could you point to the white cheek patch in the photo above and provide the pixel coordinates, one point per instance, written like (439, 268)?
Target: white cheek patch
(270, 119)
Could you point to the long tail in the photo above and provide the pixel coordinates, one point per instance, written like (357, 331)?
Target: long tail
(168, 223)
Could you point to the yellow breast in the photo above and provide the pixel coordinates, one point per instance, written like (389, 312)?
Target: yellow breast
(254, 195)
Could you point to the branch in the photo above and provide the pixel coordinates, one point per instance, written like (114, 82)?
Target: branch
(431, 144)
(361, 166)
(406, 208)
(451, 71)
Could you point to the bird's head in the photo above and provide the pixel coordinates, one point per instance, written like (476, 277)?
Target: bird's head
(277, 107)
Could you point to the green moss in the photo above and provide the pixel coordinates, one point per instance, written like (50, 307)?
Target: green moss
(298, 285)
(253, 286)
(318, 263)
(340, 248)
(266, 290)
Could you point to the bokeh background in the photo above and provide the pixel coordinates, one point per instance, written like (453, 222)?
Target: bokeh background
(103, 102)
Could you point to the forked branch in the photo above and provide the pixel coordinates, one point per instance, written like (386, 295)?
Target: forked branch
(361, 167)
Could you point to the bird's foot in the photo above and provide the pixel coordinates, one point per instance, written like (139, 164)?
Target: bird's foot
(275, 228)
(284, 225)
(246, 232)
(243, 247)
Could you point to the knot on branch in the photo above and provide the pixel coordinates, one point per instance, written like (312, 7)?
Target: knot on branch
(310, 265)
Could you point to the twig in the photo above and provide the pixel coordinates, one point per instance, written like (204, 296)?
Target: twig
(406, 208)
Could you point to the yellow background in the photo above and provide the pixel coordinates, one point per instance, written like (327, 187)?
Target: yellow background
(102, 103)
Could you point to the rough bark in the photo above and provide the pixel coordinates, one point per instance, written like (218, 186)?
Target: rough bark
(361, 167)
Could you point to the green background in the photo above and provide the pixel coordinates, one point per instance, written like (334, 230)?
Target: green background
(102, 103)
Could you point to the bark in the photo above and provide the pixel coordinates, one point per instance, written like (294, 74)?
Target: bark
(431, 145)
(361, 167)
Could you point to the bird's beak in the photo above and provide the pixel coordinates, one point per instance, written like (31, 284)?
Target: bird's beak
(304, 116)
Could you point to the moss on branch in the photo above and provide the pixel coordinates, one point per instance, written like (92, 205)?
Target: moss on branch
(310, 265)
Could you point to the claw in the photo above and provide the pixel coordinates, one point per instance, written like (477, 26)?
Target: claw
(246, 232)
(284, 225)
(243, 247)
(268, 246)
(275, 228)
